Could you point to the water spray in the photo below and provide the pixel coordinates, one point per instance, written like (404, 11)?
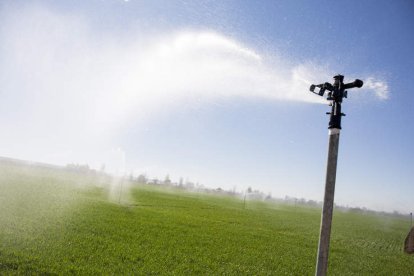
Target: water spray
(335, 95)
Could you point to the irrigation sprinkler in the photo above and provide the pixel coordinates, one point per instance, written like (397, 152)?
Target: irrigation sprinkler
(409, 240)
(120, 191)
(336, 93)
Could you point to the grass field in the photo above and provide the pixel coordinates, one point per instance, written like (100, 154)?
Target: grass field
(59, 222)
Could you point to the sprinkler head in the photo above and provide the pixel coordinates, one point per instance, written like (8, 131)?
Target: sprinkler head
(356, 83)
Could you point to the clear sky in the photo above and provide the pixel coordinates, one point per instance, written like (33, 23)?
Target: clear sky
(214, 91)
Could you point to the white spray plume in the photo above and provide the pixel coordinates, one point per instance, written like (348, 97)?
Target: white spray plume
(82, 83)
(379, 87)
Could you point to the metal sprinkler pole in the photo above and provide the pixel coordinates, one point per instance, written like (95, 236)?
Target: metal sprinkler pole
(335, 96)
(328, 203)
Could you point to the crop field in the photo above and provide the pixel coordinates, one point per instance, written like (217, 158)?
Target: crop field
(54, 221)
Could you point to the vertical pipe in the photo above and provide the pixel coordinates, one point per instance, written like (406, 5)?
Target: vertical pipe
(120, 191)
(328, 203)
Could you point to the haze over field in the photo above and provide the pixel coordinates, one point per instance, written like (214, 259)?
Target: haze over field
(217, 93)
(167, 230)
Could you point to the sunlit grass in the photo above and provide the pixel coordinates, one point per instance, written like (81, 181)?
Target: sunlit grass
(54, 221)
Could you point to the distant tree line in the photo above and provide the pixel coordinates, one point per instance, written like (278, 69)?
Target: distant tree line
(249, 193)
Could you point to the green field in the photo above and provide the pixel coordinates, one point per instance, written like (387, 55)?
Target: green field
(54, 221)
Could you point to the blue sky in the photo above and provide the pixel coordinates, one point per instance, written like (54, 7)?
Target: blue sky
(214, 91)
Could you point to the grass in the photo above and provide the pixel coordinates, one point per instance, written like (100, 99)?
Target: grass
(59, 222)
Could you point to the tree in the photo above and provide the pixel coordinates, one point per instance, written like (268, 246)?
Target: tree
(142, 179)
(167, 180)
